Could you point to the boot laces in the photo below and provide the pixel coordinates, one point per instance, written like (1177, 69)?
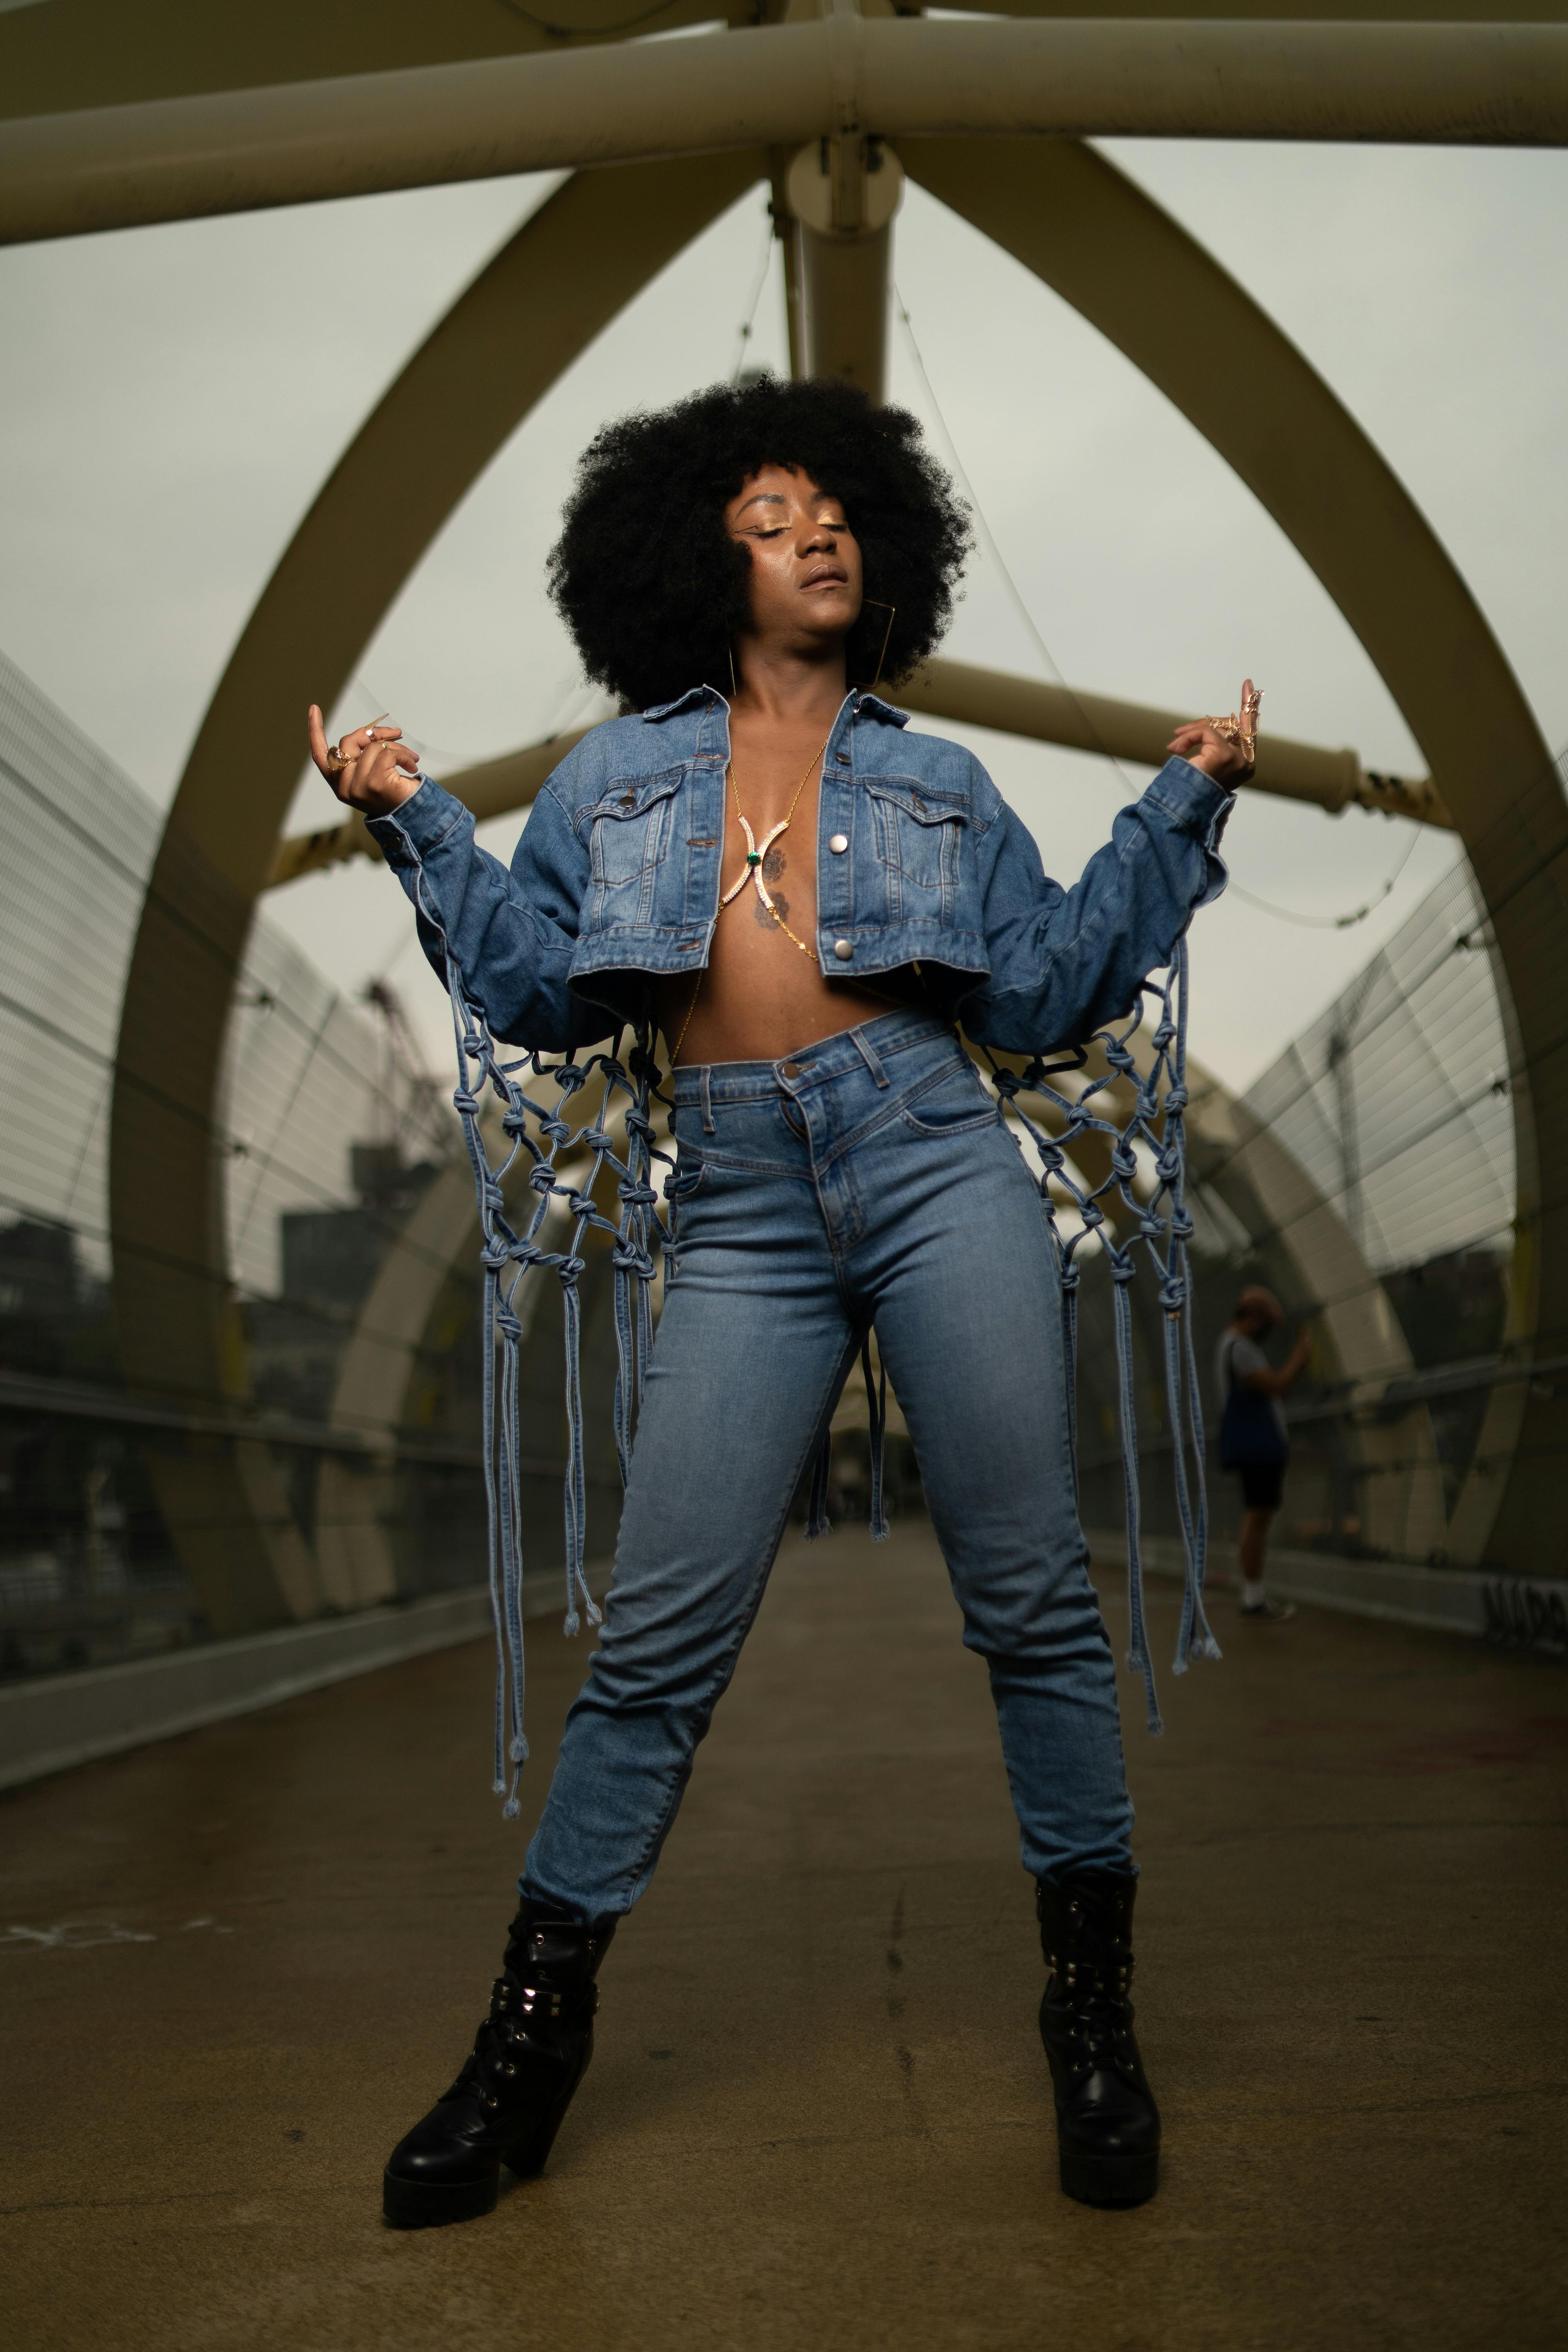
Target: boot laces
(1097, 2000)
(519, 2012)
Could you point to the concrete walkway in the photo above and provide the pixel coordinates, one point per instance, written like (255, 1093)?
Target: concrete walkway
(819, 2117)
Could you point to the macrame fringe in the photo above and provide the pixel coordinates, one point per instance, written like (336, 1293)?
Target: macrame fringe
(1164, 1224)
(817, 1523)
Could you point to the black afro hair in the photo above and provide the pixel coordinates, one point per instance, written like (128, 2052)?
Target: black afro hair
(653, 588)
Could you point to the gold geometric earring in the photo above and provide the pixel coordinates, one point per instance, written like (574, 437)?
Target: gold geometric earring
(734, 689)
(890, 609)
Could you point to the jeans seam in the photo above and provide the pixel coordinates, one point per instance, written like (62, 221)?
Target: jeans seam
(748, 1167)
(883, 1116)
(983, 1118)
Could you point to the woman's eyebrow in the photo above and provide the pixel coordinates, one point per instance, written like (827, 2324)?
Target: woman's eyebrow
(762, 498)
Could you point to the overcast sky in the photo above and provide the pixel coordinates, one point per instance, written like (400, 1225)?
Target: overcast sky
(171, 399)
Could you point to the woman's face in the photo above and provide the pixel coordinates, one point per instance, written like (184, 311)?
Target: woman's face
(806, 561)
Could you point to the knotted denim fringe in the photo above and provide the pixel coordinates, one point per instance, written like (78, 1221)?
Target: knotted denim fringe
(1164, 1224)
(563, 1198)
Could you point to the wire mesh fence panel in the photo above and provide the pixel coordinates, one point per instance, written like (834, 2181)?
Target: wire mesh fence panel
(1396, 1100)
(323, 1147)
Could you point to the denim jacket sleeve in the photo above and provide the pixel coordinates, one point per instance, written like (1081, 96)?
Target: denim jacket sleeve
(513, 933)
(1065, 961)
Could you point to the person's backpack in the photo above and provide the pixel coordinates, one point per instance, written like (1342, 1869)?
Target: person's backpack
(1250, 1437)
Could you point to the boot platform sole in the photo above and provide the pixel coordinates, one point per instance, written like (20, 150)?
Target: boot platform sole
(1110, 2180)
(430, 2204)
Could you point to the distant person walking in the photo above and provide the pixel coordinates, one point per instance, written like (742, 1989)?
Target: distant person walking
(1253, 1440)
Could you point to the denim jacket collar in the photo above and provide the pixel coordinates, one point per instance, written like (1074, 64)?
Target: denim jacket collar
(693, 696)
(857, 701)
(864, 700)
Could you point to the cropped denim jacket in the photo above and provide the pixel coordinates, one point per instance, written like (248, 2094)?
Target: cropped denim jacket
(920, 863)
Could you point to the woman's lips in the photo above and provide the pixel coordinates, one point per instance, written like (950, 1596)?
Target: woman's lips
(827, 575)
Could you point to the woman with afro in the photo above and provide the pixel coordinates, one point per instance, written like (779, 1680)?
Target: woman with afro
(762, 861)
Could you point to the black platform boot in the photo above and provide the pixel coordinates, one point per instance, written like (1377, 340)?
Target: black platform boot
(1107, 2126)
(507, 2105)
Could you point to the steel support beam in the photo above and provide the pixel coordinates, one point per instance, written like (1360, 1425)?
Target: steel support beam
(1070, 216)
(95, 53)
(538, 304)
(172, 159)
(82, 53)
(1134, 732)
(844, 306)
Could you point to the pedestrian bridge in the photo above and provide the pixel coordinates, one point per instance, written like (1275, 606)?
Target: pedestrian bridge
(255, 1889)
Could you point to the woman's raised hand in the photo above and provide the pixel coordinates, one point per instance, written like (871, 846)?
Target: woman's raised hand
(371, 769)
(1225, 749)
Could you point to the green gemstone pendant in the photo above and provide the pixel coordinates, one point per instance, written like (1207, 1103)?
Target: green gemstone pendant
(756, 855)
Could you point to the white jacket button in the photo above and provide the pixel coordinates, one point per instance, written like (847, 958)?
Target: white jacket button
(843, 950)
(840, 843)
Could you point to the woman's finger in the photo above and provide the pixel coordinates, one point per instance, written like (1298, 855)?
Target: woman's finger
(317, 735)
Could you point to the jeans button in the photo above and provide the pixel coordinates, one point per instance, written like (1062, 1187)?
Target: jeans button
(840, 843)
(843, 950)
(789, 1069)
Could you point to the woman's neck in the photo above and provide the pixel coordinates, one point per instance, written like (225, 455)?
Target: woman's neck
(786, 686)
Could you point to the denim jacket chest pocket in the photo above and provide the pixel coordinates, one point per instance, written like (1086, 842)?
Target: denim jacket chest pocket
(918, 832)
(629, 840)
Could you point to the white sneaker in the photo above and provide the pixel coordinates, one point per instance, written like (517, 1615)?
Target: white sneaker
(1268, 1612)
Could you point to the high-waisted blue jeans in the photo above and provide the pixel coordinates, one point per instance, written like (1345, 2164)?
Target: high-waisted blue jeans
(868, 1179)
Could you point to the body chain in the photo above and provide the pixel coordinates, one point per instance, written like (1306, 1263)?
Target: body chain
(752, 872)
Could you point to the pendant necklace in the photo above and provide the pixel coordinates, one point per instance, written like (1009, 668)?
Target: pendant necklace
(752, 871)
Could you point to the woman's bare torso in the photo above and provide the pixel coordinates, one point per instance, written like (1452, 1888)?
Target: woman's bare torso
(760, 997)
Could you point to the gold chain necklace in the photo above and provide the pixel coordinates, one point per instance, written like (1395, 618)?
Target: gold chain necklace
(752, 871)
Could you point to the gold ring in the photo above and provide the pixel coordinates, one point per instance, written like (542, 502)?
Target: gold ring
(1241, 732)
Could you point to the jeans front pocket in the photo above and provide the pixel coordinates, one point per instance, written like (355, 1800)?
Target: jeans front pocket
(681, 1187)
(685, 1179)
(954, 1102)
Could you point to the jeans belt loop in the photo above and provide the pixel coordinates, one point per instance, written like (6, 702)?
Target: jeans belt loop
(868, 1055)
(705, 1096)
